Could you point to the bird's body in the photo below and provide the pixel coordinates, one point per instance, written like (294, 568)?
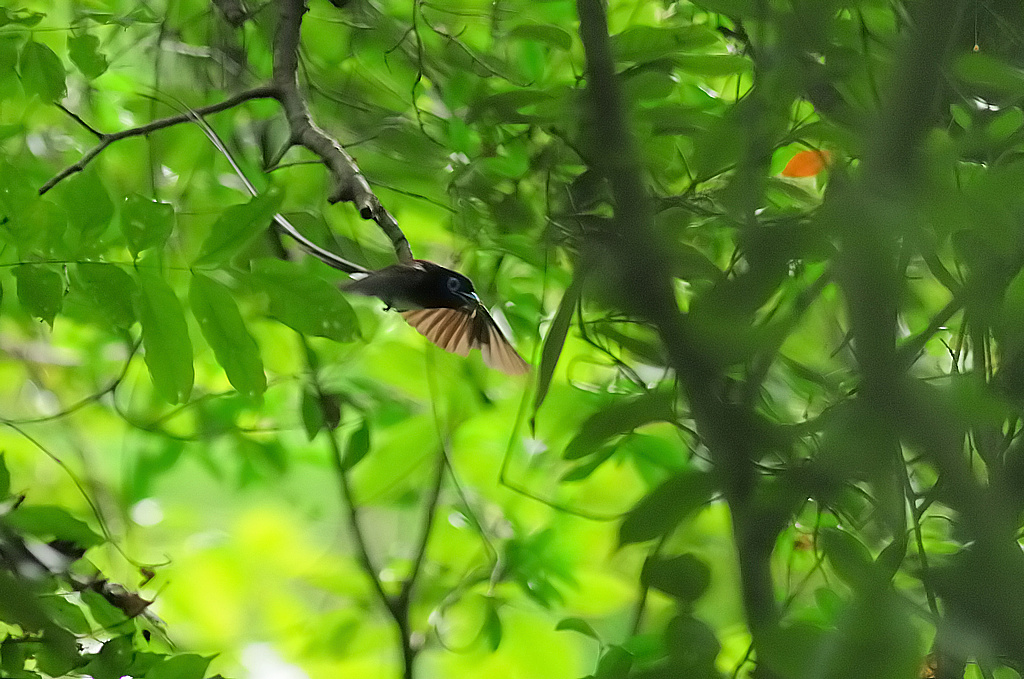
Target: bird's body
(442, 306)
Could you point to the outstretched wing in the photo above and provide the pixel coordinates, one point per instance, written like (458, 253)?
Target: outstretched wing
(450, 329)
(460, 330)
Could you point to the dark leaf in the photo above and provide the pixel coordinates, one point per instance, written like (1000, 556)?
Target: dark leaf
(85, 54)
(47, 522)
(847, 555)
(577, 625)
(684, 577)
(555, 339)
(661, 511)
(615, 663)
(5, 478)
(358, 446)
(492, 630)
(545, 33)
(621, 417)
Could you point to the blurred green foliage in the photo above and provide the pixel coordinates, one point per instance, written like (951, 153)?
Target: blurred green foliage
(807, 466)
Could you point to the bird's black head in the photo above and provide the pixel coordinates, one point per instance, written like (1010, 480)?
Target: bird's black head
(452, 286)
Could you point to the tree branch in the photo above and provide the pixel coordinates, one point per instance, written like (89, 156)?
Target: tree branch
(263, 92)
(640, 270)
(396, 606)
(350, 184)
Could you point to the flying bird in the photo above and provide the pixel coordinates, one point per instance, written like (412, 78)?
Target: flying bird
(441, 305)
(438, 303)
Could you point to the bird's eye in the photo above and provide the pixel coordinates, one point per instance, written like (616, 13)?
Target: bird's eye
(453, 284)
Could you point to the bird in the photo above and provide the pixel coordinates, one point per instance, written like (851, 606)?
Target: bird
(438, 303)
(441, 305)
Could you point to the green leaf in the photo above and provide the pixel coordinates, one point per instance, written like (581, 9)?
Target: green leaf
(663, 508)
(692, 647)
(9, 84)
(615, 663)
(49, 523)
(85, 54)
(555, 339)
(358, 446)
(577, 625)
(105, 613)
(66, 614)
(684, 577)
(546, 33)
(88, 206)
(731, 8)
(33, 222)
(714, 65)
(988, 71)
(21, 16)
(225, 331)
(312, 413)
(110, 289)
(587, 467)
(40, 291)
(237, 226)
(621, 417)
(492, 630)
(168, 350)
(508, 106)
(114, 658)
(641, 44)
(320, 411)
(303, 302)
(42, 72)
(185, 666)
(146, 223)
(848, 556)
(1005, 125)
(5, 478)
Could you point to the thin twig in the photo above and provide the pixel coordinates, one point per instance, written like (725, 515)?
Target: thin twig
(106, 139)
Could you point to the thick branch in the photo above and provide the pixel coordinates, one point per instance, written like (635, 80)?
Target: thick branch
(644, 277)
(350, 184)
(264, 92)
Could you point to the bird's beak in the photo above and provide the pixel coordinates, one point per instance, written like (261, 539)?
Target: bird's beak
(469, 298)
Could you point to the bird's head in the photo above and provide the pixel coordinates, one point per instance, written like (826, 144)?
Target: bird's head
(453, 286)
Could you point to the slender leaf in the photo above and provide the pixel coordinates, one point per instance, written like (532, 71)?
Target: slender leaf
(237, 226)
(555, 339)
(621, 417)
(168, 349)
(222, 325)
(666, 506)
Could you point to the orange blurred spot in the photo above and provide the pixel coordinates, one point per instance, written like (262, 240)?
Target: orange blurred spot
(807, 164)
